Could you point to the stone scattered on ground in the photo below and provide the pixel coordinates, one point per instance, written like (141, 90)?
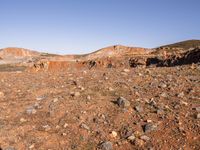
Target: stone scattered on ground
(122, 102)
(106, 146)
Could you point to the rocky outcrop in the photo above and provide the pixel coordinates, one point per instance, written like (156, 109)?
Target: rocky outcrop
(189, 57)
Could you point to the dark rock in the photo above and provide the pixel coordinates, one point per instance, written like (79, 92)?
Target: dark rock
(106, 146)
(149, 127)
(122, 102)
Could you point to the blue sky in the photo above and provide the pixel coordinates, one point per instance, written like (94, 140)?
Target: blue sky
(82, 26)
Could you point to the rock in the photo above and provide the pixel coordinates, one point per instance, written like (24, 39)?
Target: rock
(32, 146)
(106, 146)
(22, 120)
(88, 97)
(113, 134)
(37, 105)
(124, 73)
(131, 138)
(184, 103)
(148, 121)
(140, 74)
(40, 98)
(160, 111)
(9, 148)
(162, 85)
(198, 116)
(31, 110)
(139, 109)
(145, 138)
(65, 125)
(137, 134)
(110, 89)
(46, 127)
(81, 88)
(76, 94)
(197, 109)
(181, 95)
(84, 126)
(149, 127)
(55, 100)
(126, 70)
(164, 95)
(1, 94)
(122, 102)
(139, 142)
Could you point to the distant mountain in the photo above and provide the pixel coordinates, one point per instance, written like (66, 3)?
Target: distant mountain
(184, 44)
(17, 52)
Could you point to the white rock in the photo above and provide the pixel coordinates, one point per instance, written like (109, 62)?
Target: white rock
(113, 134)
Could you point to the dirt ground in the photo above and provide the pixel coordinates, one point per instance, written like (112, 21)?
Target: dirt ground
(78, 109)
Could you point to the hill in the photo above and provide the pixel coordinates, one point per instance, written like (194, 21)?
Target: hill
(17, 52)
(184, 44)
(116, 51)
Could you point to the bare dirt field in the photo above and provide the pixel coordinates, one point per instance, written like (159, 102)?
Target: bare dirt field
(154, 108)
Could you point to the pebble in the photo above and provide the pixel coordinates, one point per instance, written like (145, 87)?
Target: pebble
(106, 146)
(84, 126)
(149, 127)
(139, 142)
(198, 116)
(122, 102)
(22, 120)
(126, 70)
(76, 94)
(162, 85)
(55, 100)
(40, 98)
(184, 103)
(145, 138)
(31, 110)
(1, 94)
(65, 125)
(9, 148)
(81, 88)
(31, 146)
(164, 95)
(181, 95)
(197, 109)
(88, 97)
(110, 89)
(46, 127)
(113, 134)
(139, 109)
(131, 138)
